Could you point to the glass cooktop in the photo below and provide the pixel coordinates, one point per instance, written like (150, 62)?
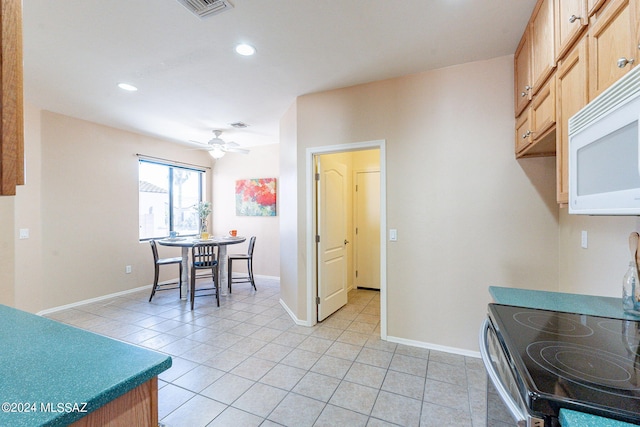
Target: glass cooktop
(581, 362)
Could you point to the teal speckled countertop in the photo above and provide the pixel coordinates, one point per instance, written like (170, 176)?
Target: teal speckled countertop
(569, 303)
(51, 373)
(558, 301)
(570, 418)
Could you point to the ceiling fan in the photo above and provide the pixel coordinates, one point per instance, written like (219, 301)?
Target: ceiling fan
(218, 147)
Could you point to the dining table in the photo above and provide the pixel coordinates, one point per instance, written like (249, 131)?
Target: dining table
(187, 242)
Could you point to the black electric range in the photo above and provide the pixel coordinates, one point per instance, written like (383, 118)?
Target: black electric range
(564, 360)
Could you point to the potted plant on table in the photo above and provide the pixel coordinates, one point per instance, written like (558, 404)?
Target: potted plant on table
(204, 210)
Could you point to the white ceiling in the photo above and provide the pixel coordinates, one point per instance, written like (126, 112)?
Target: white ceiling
(191, 81)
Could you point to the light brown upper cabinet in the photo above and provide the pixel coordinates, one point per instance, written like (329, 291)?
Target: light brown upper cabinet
(613, 44)
(571, 20)
(542, 43)
(522, 71)
(572, 93)
(594, 5)
(11, 98)
(535, 128)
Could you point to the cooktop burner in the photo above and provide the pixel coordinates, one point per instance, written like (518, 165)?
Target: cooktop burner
(563, 326)
(594, 368)
(581, 362)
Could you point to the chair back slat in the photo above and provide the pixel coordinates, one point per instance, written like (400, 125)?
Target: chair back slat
(154, 249)
(204, 255)
(252, 243)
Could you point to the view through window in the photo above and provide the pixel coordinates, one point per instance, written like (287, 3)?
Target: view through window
(167, 195)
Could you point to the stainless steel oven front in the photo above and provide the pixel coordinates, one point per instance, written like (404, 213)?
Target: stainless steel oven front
(500, 370)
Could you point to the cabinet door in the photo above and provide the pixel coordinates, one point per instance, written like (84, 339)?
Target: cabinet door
(571, 96)
(542, 43)
(522, 71)
(543, 111)
(612, 45)
(593, 6)
(523, 135)
(571, 19)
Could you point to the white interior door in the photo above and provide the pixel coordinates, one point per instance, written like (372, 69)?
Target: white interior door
(331, 236)
(367, 237)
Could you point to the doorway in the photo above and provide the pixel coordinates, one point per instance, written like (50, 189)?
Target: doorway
(342, 257)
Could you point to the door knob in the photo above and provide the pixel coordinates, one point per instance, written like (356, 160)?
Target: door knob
(346, 241)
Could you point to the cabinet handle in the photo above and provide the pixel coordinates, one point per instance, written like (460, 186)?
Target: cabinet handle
(526, 134)
(574, 18)
(622, 62)
(526, 89)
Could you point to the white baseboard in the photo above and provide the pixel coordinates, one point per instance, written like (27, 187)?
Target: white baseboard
(260, 276)
(92, 300)
(293, 316)
(436, 347)
(130, 291)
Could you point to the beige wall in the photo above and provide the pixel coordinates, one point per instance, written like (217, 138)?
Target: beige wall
(467, 213)
(7, 250)
(261, 162)
(28, 210)
(80, 203)
(598, 269)
(292, 254)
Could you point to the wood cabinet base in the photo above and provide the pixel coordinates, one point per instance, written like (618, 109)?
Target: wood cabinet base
(139, 407)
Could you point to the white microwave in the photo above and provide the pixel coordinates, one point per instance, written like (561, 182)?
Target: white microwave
(604, 154)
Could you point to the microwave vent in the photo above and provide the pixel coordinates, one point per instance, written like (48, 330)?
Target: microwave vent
(618, 94)
(204, 8)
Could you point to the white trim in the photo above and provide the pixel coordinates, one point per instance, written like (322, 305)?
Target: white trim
(429, 346)
(293, 316)
(92, 300)
(260, 276)
(130, 291)
(311, 247)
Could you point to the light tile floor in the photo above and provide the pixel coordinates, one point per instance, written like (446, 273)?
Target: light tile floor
(248, 364)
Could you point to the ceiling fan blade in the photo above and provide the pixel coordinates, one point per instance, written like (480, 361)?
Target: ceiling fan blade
(200, 145)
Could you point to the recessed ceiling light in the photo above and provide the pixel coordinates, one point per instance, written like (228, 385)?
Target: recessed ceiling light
(245, 49)
(127, 86)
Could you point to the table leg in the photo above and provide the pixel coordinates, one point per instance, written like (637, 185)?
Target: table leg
(185, 272)
(222, 272)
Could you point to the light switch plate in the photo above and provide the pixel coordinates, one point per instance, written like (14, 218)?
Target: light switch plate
(584, 239)
(24, 233)
(393, 235)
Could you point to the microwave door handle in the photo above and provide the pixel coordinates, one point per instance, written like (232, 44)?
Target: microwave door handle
(512, 406)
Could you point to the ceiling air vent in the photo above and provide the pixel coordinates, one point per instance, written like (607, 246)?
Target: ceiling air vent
(203, 8)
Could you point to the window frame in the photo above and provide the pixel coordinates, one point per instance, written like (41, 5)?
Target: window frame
(171, 167)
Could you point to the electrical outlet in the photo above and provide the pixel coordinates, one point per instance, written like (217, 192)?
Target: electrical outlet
(24, 233)
(127, 269)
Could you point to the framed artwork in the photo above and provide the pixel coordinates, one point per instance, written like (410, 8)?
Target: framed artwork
(256, 197)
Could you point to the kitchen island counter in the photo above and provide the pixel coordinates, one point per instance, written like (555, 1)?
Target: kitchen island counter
(55, 374)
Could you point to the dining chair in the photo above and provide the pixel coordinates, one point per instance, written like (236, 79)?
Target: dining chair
(204, 257)
(157, 262)
(248, 257)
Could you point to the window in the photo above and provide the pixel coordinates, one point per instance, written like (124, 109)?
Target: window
(167, 194)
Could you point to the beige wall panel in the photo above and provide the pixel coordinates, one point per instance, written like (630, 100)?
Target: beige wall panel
(467, 213)
(261, 162)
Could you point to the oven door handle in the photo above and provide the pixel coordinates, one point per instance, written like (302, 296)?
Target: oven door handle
(512, 406)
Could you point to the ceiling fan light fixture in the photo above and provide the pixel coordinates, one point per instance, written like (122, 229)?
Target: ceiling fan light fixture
(216, 153)
(245, 49)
